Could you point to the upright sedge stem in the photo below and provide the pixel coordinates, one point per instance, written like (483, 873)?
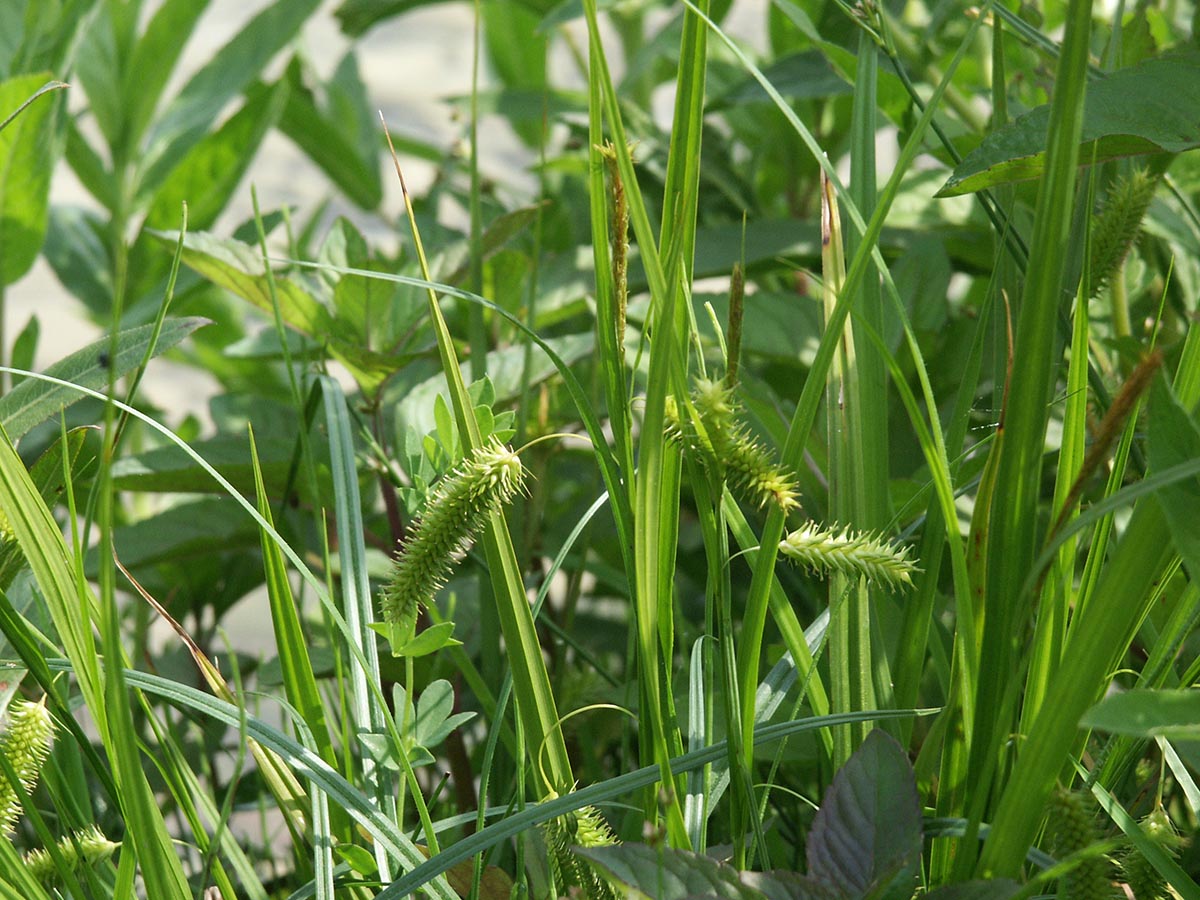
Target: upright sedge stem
(733, 329)
(851, 677)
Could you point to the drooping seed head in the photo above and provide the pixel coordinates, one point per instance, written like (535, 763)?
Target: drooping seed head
(727, 448)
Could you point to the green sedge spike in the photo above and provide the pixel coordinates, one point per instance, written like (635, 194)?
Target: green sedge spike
(84, 848)
(851, 553)
(1119, 224)
(25, 745)
(1143, 879)
(728, 450)
(487, 479)
(1073, 826)
(585, 827)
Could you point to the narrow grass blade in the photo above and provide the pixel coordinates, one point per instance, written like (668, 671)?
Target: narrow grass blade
(1012, 542)
(535, 699)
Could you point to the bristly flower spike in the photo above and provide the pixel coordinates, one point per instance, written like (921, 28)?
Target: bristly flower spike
(584, 827)
(850, 553)
(483, 482)
(741, 460)
(84, 848)
(25, 745)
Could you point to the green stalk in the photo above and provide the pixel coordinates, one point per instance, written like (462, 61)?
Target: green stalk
(531, 683)
(1055, 602)
(1013, 537)
(850, 679)
(655, 489)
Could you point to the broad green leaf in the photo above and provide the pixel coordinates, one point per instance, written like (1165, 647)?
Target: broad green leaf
(1175, 439)
(807, 75)
(994, 889)
(234, 68)
(149, 68)
(502, 230)
(171, 470)
(24, 348)
(238, 268)
(504, 368)
(432, 639)
(868, 828)
(28, 148)
(47, 475)
(208, 174)
(381, 312)
(195, 528)
(358, 858)
(98, 72)
(35, 35)
(333, 124)
(33, 401)
(76, 252)
(779, 885)
(88, 167)
(1150, 108)
(664, 873)
(435, 711)
(1171, 714)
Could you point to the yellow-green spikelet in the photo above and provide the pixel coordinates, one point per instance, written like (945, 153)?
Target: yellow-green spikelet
(727, 448)
(25, 745)
(1073, 826)
(87, 847)
(1143, 879)
(850, 553)
(584, 827)
(483, 482)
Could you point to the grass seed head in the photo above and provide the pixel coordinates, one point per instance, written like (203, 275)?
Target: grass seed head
(1073, 825)
(483, 482)
(25, 745)
(584, 827)
(727, 448)
(1143, 879)
(85, 848)
(850, 553)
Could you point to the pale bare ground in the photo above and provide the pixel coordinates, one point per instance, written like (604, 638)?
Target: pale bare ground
(411, 66)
